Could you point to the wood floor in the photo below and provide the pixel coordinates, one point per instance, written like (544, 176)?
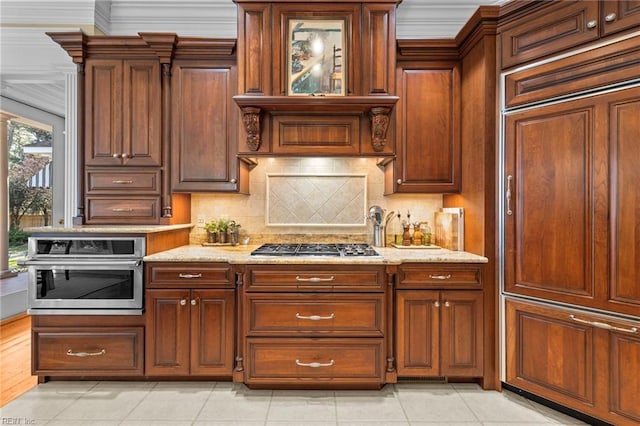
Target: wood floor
(15, 358)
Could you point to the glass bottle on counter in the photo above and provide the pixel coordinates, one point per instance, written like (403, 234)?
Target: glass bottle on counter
(418, 236)
(426, 233)
(397, 230)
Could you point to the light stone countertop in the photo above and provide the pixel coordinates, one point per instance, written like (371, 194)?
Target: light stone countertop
(109, 229)
(241, 254)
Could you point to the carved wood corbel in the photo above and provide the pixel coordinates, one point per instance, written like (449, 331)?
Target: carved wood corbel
(379, 126)
(251, 120)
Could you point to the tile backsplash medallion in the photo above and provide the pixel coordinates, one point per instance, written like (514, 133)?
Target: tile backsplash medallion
(251, 210)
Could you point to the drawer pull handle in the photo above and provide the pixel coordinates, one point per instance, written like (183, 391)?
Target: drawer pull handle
(314, 279)
(315, 317)
(85, 354)
(314, 364)
(189, 276)
(122, 182)
(508, 194)
(610, 17)
(604, 325)
(439, 277)
(126, 209)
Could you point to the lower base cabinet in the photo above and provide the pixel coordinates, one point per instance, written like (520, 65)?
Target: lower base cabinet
(189, 332)
(587, 362)
(439, 333)
(87, 351)
(439, 320)
(302, 362)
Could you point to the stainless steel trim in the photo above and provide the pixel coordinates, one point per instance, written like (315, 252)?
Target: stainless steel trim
(38, 311)
(139, 246)
(83, 264)
(59, 306)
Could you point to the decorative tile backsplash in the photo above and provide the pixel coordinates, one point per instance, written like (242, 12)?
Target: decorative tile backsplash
(251, 210)
(316, 200)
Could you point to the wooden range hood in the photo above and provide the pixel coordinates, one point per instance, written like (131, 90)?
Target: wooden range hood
(359, 121)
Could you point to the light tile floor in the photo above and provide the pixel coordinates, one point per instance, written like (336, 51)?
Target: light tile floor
(219, 403)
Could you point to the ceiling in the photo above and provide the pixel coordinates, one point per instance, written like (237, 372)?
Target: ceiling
(33, 69)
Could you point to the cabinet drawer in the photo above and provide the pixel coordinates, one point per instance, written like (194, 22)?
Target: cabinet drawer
(554, 28)
(103, 182)
(88, 351)
(315, 278)
(356, 315)
(440, 276)
(323, 361)
(122, 210)
(188, 275)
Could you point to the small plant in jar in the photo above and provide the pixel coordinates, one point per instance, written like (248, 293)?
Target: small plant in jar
(212, 231)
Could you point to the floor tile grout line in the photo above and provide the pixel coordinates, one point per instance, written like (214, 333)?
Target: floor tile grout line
(464, 401)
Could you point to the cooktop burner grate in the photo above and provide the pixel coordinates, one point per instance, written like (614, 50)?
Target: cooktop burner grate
(315, 249)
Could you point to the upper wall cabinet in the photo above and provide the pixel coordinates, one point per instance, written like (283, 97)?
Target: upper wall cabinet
(428, 124)
(316, 78)
(156, 117)
(122, 112)
(550, 28)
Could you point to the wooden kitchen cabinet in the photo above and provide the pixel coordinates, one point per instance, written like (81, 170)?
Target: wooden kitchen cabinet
(87, 345)
(573, 199)
(594, 366)
(315, 326)
(553, 27)
(190, 331)
(123, 112)
(204, 127)
(428, 115)
(439, 321)
(439, 333)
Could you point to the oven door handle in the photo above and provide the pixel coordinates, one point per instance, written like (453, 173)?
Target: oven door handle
(69, 262)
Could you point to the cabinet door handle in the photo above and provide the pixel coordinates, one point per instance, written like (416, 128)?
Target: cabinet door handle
(125, 155)
(399, 181)
(122, 209)
(314, 364)
(116, 155)
(315, 317)
(508, 194)
(592, 24)
(439, 277)
(194, 302)
(183, 302)
(86, 354)
(604, 325)
(610, 17)
(436, 304)
(234, 180)
(122, 182)
(189, 276)
(447, 304)
(314, 279)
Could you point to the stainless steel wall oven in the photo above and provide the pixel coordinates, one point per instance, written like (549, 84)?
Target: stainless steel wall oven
(85, 275)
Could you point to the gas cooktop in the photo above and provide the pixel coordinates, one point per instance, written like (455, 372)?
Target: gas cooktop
(315, 249)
